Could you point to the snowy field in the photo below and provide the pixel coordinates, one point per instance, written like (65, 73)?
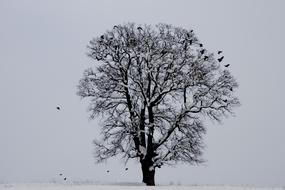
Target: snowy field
(46, 186)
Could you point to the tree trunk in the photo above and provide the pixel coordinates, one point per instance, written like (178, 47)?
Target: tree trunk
(148, 170)
(148, 175)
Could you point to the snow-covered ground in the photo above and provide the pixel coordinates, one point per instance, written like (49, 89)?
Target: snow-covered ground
(123, 186)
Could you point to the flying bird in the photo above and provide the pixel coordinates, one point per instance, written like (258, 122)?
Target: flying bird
(202, 51)
(191, 31)
(221, 59)
(126, 169)
(64, 179)
(219, 52)
(227, 65)
(60, 174)
(58, 108)
(108, 171)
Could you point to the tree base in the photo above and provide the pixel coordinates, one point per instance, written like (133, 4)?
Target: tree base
(148, 175)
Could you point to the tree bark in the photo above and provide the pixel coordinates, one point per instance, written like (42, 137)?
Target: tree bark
(148, 173)
(148, 170)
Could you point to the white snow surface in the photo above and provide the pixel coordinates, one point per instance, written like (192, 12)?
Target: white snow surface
(123, 186)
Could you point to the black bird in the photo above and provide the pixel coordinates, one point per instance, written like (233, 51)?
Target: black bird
(221, 59)
(201, 45)
(185, 47)
(231, 89)
(64, 179)
(188, 35)
(227, 65)
(163, 52)
(202, 51)
(225, 100)
(139, 28)
(60, 174)
(191, 31)
(190, 42)
(115, 27)
(219, 52)
(102, 37)
(126, 169)
(58, 108)
(206, 58)
(108, 171)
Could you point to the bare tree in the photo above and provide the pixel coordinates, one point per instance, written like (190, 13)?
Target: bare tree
(154, 86)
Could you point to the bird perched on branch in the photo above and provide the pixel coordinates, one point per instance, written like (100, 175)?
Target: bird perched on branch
(227, 65)
(163, 52)
(219, 52)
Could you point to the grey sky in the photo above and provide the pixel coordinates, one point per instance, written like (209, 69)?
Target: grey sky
(42, 57)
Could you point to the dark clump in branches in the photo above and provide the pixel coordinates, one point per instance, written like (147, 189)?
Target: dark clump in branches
(154, 86)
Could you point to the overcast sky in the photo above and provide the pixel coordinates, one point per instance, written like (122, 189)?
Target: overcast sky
(43, 55)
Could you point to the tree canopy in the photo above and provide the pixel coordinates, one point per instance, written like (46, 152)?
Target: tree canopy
(154, 87)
